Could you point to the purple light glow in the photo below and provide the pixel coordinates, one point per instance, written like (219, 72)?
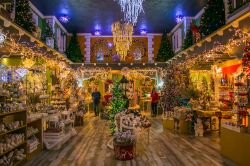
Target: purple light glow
(179, 16)
(110, 44)
(97, 32)
(143, 32)
(64, 19)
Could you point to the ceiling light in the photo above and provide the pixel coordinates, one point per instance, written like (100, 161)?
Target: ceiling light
(64, 19)
(143, 32)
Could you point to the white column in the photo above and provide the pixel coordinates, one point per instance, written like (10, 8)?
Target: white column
(150, 48)
(64, 43)
(87, 47)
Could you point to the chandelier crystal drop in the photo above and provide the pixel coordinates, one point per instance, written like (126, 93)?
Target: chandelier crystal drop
(122, 37)
(131, 9)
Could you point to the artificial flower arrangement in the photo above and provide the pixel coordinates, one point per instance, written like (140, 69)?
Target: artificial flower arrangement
(124, 138)
(134, 118)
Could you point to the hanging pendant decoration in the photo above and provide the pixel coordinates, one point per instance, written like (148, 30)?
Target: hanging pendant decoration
(122, 37)
(131, 9)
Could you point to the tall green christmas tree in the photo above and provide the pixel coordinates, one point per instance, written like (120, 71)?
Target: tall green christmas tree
(73, 51)
(118, 104)
(213, 17)
(165, 51)
(23, 15)
(188, 40)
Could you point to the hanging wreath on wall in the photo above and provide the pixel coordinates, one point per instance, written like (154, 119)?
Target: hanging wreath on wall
(137, 51)
(101, 50)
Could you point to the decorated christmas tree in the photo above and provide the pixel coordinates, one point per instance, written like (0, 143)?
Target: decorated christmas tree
(170, 92)
(73, 51)
(213, 17)
(165, 51)
(23, 15)
(118, 104)
(188, 40)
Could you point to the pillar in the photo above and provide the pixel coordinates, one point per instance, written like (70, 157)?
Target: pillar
(87, 47)
(150, 48)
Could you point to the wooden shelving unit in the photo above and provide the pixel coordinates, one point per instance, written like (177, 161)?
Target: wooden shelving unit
(37, 123)
(10, 117)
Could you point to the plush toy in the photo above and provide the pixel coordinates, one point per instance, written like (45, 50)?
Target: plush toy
(199, 128)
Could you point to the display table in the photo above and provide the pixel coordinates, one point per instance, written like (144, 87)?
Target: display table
(134, 108)
(208, 114)
(235, 146)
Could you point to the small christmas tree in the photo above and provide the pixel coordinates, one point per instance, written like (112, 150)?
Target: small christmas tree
(165, 51)
(73, 51)
(213, 17)
(46, 31)
(23, 16)
(118, 104)
(188, 40)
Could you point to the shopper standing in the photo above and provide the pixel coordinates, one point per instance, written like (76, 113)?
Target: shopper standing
(96, 96)
(154, 101)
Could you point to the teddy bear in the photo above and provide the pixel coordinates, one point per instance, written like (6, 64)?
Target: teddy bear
(199, 128)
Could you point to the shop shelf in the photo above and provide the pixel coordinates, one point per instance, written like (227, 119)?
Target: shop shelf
(8, 151)
(10, 131)
(12, 112)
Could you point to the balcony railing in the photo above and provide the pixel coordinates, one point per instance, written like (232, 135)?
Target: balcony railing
(239, 11)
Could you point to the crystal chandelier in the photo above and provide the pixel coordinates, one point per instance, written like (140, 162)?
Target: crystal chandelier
(122, 37)
(131, 9)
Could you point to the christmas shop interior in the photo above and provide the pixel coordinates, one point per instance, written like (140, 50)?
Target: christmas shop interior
(124, 82)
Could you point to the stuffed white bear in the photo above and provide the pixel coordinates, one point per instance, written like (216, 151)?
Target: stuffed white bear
(199, 128)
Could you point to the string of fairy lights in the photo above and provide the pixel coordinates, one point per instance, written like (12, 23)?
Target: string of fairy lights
(219, 50)
(32, 54)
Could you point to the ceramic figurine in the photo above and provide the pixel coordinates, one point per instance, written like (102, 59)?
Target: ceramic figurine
(199, 128)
